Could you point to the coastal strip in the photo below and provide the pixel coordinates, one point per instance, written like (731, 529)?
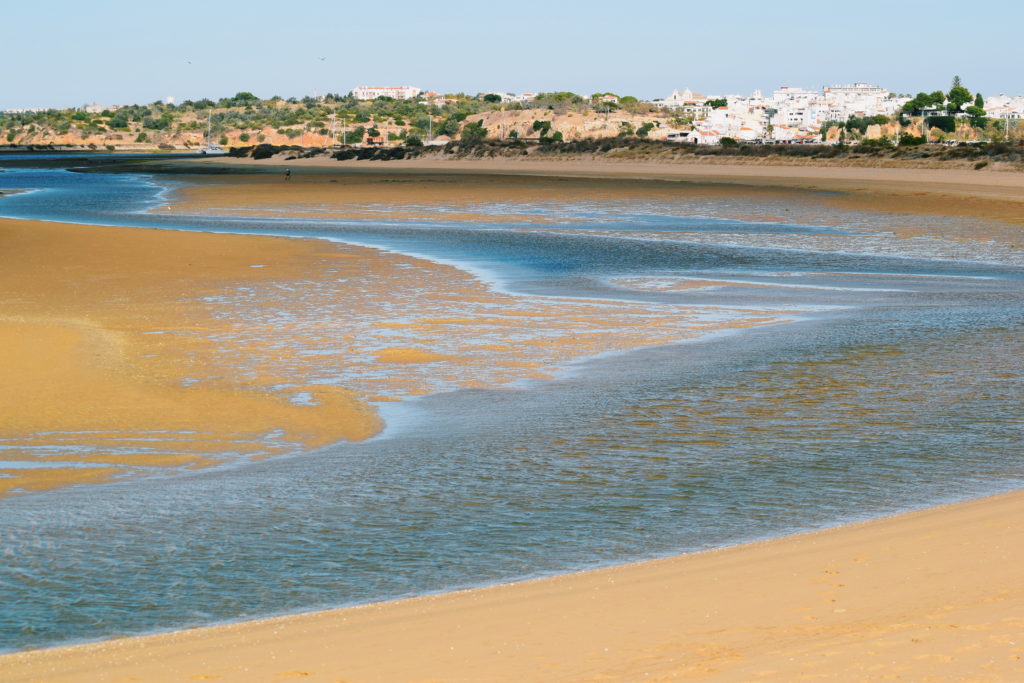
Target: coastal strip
(994, 196)
(936, 594)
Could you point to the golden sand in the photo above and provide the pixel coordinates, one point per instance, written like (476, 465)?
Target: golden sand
(933, 595)
(132, 349)
(111, 355)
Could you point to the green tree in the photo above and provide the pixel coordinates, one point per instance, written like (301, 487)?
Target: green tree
(643, 130)
(958, 95)
(374, 132)
(473, 132)
(715, 104)
(451, 125)
(493, 98)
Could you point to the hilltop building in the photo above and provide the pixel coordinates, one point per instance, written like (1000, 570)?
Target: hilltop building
(790, 115)
(686, 102)
(1005, 107)
(404, 92)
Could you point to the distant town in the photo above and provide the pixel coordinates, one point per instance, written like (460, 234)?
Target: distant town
(405, 115)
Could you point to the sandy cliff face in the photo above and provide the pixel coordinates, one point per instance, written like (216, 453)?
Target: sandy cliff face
(572, 125)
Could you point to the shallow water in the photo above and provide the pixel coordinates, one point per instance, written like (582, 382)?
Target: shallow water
(901, 390)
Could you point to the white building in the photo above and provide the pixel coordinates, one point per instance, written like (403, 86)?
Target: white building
(789, 115)
(686, 102)
(508, 97)
(1005, 106)
(404, 92)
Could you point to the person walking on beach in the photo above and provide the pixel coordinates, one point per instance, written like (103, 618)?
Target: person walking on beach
(287, 174)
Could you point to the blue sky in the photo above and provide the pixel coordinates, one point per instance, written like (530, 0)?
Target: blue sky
(69, 53)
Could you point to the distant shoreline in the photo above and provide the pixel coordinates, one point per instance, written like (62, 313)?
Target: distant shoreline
(993, 196)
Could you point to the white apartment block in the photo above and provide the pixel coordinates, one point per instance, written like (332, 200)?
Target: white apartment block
(790, 114)
(404, 92)
(508, 97)
(686, 102)
(1005, 106)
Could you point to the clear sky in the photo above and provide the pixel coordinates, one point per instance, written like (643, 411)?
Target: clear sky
(69, 53)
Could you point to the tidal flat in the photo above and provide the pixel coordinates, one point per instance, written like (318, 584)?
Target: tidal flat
(272, 397)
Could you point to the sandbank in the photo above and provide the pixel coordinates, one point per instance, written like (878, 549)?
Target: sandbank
(931, 595)
(112, 361)
(131, 349)
(987, 194)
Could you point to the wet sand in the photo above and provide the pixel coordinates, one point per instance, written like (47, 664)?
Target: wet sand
(996, 196)
(131, 350)
(933, 595)
(111, 359)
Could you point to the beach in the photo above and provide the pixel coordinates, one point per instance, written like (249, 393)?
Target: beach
(941, 192)
(217, 343)
(933, 595)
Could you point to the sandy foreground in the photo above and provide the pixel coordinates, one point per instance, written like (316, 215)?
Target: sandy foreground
(936, 595)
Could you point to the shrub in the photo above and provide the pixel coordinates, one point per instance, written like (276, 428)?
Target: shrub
(874, 145)
(141, 137)
(244, 137)
(728, 142)
(473, 132)
(264, 151)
